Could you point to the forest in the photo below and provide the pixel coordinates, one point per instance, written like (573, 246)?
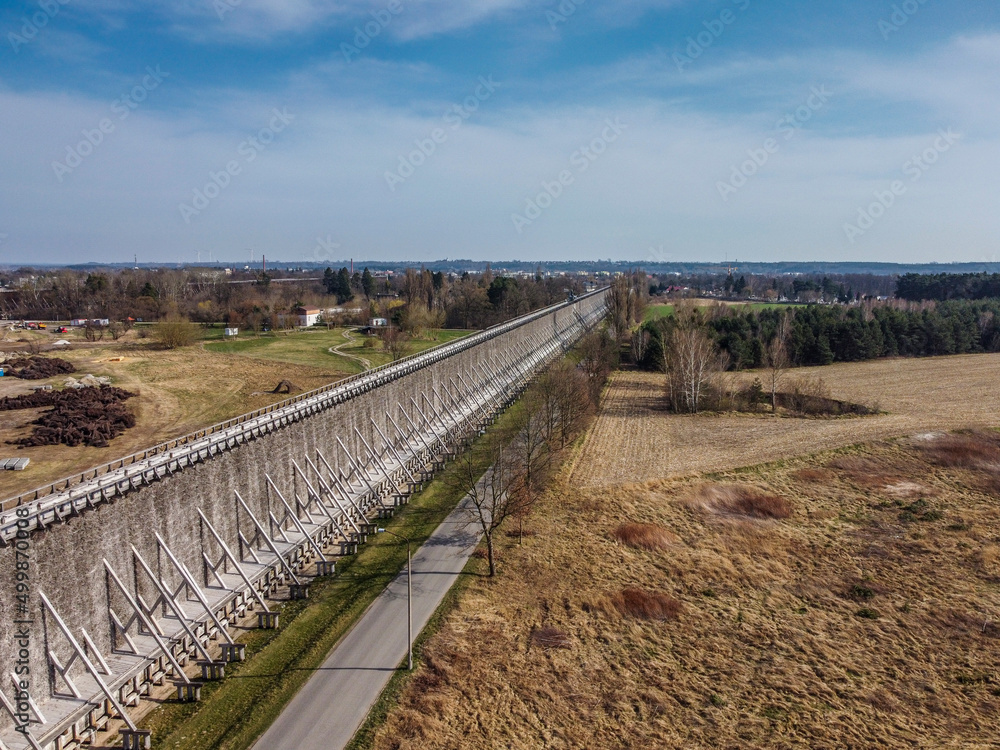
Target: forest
(823, 334)
(917, 287)
(415, 298)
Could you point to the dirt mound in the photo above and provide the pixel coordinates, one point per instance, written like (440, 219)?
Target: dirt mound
(88, 416)
(37, 368)
(286, 386)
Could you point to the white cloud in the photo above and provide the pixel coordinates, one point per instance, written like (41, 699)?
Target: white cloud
(262, 20)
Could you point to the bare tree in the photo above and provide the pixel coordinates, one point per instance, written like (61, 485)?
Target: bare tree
(627, 301)
(395, 342)
(776, 359)
(116, 329)
(494, 496)
(640, 343)
(93, 332)
(691, 360)
(529, 451)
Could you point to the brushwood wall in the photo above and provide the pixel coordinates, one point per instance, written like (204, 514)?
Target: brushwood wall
(66, 558)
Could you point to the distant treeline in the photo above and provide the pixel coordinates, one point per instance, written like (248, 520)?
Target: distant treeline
(821, 335)
(946, 286)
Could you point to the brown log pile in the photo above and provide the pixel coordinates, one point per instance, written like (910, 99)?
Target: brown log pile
(79, 416)
(37, 368)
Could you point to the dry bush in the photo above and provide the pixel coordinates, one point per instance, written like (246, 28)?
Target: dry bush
(646, 605)
(550, 637)
(174, 332)
(987, 560)
(644, 536)
(972, 450)
(813, 475)
(855, 465)
(738, 500)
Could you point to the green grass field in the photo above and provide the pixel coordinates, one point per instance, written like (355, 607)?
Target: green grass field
(312, 347)
(655, 312)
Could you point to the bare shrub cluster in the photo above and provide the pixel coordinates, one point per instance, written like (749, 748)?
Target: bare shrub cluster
(644, 536)
(739, 500)
(972, 450)
(550, 637)
(646, 605)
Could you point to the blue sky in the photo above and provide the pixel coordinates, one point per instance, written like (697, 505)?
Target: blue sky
(503, 129)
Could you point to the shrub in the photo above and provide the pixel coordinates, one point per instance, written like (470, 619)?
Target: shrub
(550, 637)
(973, 450)
(861, 592)
(739, 500)
(644, 536)
(174, 332)
(646, 605)
(867, 613)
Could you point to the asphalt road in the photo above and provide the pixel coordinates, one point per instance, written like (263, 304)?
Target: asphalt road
(334, 702)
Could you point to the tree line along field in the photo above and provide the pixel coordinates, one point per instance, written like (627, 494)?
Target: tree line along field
(181, 390)
(746, 581)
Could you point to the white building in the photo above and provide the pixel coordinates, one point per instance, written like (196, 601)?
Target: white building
(308, 316)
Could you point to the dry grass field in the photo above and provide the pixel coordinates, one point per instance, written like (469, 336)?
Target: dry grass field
(636, 439)
(179, 391)
(844, 599)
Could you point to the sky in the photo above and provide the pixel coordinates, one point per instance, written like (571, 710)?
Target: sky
(653, 130)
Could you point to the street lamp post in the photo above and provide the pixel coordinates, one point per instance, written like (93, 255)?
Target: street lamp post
(409, 599)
